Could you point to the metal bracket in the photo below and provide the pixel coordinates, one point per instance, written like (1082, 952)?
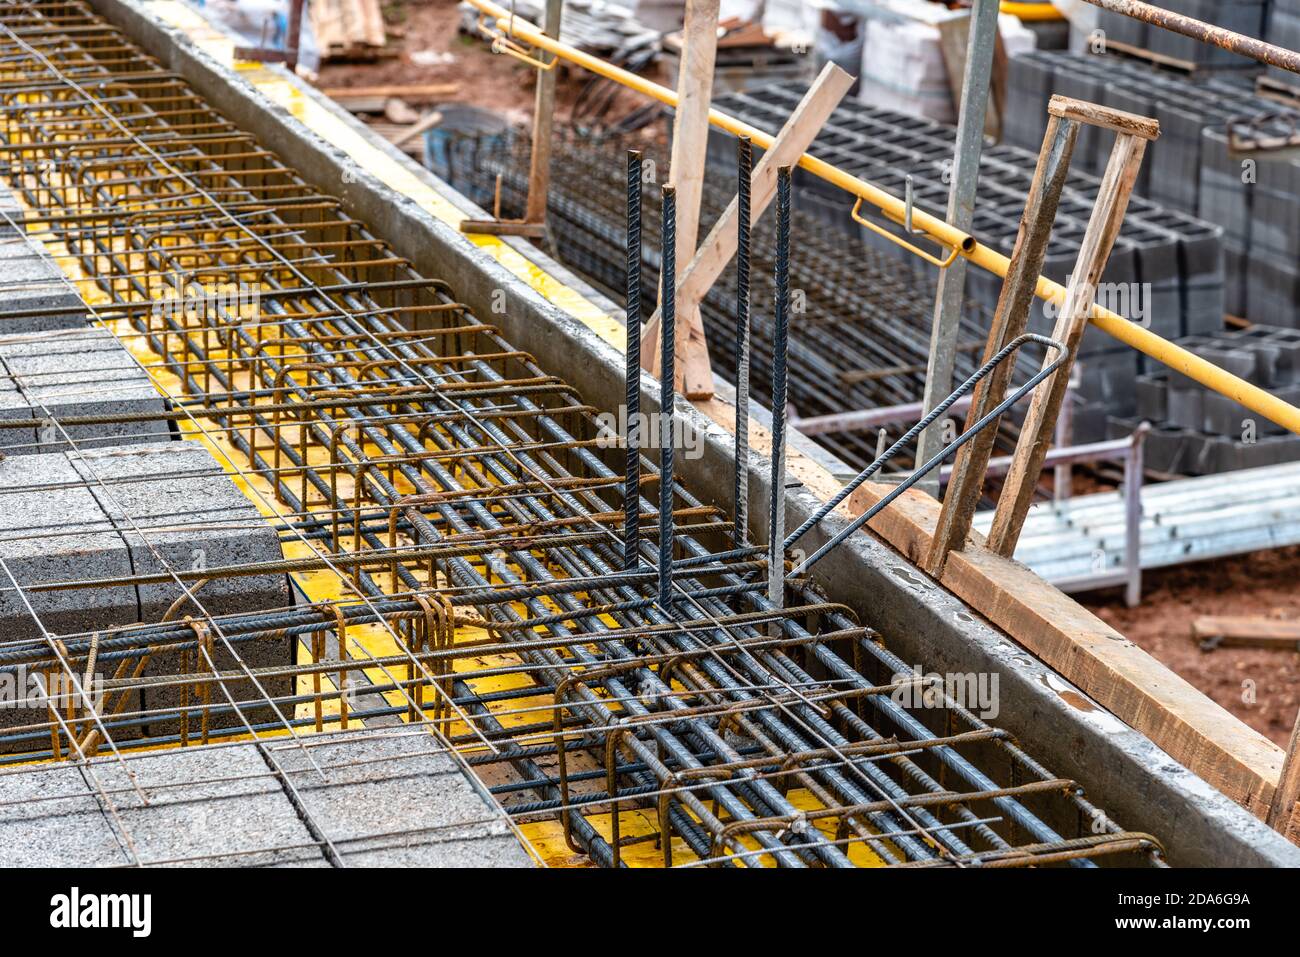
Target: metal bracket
(504, 43)
(906, 223)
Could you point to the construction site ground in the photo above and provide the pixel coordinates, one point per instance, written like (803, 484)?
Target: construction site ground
(1260, 686)
(423, 30)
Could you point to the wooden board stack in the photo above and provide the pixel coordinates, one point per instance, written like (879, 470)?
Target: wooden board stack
(348, 29)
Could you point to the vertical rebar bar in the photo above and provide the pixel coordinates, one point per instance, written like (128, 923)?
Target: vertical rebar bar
(632, 430)
(745, 162)
(775, 550)
(667, 392)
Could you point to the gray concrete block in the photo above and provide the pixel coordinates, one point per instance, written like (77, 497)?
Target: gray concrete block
(177, 510)
(1152, 397)
(53, 530)
(50, 817)
(210, 807)
(12, 217)
(389, 799)
(85, 374)
(14, 407)
(36, 295)
(1187, 408)
(396, 799)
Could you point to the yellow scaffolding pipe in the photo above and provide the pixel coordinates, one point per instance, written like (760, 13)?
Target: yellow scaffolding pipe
(1162, 350)
(1030, 11)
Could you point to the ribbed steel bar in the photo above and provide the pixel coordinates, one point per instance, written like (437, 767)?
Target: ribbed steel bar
(744, 167)
(632, 406)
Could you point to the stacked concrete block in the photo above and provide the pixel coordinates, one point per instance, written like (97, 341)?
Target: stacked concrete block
(212, 807)
(1254, 196)
(52, 530)
(12, 216)
(1284, 31)
(37, 297)
(176, 510)
(1198, 431)
(104, 515)
(396, 799)
(50, 817)
(390, 798)
(52, 366)
(83, 373)
(1122, 29)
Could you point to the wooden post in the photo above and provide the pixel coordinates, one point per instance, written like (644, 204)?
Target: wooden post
(791, 143)
(693, 372)
(1009, 320)
(1132, 135)
(533, 225)
(539, 168)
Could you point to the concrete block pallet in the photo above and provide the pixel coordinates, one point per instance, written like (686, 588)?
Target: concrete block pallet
(1198, 432)
(1254, 197)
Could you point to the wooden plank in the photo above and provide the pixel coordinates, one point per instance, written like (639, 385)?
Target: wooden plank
(1247, 630)
(1009, 321)
(793, 140)
(1101, 662)
(693, 372)
(954, 36)
(1285, 806)
(1039, 427)
(425, 123)
(410, 92)
(1107, 117)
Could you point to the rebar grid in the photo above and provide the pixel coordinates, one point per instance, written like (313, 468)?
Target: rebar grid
(464, 510)
(859, 335)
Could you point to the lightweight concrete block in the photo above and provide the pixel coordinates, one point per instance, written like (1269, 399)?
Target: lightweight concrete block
(1187, 408)
(14, 407)
(50, 817)
(178, 511)
(209, 807)
(87, 374)
(395, 799)
(1152, 397)
(53, 530)
(12, 217)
